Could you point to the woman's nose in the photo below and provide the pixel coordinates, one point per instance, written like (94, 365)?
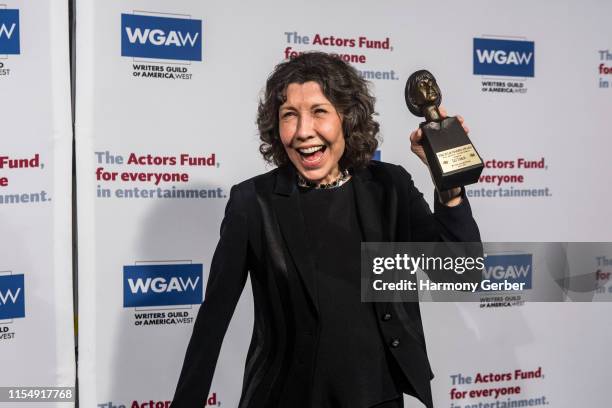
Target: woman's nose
(305, 127)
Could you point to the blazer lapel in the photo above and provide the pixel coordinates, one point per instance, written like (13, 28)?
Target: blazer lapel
(286, 204)
(376, 202)
(377, 209)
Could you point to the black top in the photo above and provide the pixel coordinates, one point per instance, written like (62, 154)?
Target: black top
(351, 366)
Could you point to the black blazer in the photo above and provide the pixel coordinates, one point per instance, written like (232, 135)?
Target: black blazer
(263, 233)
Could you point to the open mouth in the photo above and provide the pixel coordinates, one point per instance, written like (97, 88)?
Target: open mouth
(312, 154)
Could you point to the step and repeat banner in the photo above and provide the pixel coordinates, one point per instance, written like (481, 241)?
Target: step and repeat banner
(166, 100)
(36, 297)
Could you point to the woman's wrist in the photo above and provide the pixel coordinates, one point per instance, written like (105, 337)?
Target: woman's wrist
(451, 197)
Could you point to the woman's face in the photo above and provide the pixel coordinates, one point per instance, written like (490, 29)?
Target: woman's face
(311, 132)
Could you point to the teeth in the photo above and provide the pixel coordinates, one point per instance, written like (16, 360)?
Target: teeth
(309, 150)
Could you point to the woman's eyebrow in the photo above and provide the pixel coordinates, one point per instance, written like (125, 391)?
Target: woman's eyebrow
(316, 105)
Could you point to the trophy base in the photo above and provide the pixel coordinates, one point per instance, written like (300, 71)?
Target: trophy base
(453, 160)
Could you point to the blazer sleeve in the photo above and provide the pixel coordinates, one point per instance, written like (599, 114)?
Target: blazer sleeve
(228, 272)
(445, 224)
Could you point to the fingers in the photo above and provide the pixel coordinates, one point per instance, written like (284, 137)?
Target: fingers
(415, 136)
(462, 121)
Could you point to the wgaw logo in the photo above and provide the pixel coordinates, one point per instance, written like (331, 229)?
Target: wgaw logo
(510, 58)
(513, 268)
(12, 297)
(171, 38)
(9, 32)
(162, 285)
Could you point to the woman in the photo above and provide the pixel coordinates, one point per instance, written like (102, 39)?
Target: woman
(297, 229)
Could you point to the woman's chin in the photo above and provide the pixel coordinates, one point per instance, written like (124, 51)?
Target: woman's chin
(313, 175)
(313, 167)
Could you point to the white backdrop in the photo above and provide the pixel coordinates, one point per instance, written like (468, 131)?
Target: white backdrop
(200, 99)
(36, 314)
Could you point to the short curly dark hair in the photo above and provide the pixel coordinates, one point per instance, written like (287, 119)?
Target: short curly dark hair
(345, 89)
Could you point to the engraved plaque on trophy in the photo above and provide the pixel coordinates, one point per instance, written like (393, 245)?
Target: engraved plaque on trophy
(453, 160)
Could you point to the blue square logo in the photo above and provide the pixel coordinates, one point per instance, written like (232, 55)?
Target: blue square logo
(12, 297)
(509, 58)
(513, 268)
(9, 32)
(162, 285)
(161, 37)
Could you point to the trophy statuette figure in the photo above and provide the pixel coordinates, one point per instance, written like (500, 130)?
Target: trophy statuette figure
(453, 161)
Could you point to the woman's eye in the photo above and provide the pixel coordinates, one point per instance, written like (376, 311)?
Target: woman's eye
(320, 111)
(287, 114)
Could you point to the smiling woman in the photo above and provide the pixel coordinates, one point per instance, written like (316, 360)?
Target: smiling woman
(311, 92)
(311, 132)
(297, 230)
